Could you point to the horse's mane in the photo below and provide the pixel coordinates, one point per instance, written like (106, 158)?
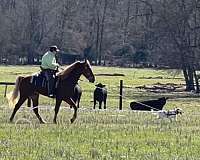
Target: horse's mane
(63, 74)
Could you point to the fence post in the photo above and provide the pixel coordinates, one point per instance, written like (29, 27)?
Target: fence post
(120, 95)
(5, 90)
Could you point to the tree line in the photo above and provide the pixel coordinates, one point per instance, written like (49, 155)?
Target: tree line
(158, 32)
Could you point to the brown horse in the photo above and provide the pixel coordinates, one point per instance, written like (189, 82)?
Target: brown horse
(67, 80)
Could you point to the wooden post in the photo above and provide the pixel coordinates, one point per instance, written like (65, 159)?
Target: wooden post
(120, 95)
(6, 86)
(5, 90)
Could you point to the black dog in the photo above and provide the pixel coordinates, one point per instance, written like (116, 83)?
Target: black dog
(77, 95)
(100, 95)
(155, 105)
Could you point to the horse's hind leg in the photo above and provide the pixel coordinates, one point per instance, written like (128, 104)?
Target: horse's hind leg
(79, 99)
(57, 107)
(78, 102)
(29, 102)
(17, 106)
(35, 107)
(71, 103)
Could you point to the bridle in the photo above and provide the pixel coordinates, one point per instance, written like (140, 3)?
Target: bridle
(87, 72)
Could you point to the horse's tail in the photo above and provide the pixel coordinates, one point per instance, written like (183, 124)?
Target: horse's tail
(12, 96)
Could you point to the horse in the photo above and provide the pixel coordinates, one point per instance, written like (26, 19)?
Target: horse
(68, 79)
(77, 95)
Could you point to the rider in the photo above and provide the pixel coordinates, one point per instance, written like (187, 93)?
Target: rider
(49, 67)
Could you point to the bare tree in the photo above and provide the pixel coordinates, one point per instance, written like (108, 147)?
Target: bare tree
(174, 30)
(163, 28)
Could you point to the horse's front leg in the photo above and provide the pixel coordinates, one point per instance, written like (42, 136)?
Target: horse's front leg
(57, 107)
(35, 107)
(71, 103)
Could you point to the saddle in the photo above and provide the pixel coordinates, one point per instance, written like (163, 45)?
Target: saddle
(39, 80)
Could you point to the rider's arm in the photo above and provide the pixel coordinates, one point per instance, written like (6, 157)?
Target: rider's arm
(54, 63)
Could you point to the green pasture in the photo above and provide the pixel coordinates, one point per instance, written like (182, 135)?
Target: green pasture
(103, 134)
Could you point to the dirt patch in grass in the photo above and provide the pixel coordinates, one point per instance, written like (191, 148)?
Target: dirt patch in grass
(163, 88)
(109, 74)
(160, 77)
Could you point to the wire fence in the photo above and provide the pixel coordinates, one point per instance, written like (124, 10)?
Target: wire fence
(118, 93)
(121, 94)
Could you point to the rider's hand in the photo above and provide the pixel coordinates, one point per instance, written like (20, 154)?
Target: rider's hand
(60, 69)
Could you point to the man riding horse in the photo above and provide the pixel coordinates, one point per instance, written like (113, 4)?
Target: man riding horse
(68, 79)
(49, 67)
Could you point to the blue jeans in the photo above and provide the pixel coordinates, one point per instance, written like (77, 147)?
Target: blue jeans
(50, 77)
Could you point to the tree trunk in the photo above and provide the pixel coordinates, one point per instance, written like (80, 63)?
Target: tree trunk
(186, 77)
(196, 81)
(30, 58)
(189, 77)
(97, 40)
(102, 31)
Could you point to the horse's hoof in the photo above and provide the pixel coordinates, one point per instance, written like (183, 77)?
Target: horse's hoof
(10, 120)
(72, 120)
(54, 122)
(42, 122)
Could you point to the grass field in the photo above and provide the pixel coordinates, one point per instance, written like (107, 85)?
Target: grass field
(109, 134)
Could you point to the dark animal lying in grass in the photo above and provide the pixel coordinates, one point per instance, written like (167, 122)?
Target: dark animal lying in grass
(77, 94)
(100, 95)
(155, 105)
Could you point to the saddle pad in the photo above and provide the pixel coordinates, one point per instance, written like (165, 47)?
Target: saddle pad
(38, 80)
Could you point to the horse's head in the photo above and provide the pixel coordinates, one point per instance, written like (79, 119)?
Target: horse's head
(87, 71)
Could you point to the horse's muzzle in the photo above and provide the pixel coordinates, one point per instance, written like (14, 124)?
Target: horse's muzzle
(91, 79)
